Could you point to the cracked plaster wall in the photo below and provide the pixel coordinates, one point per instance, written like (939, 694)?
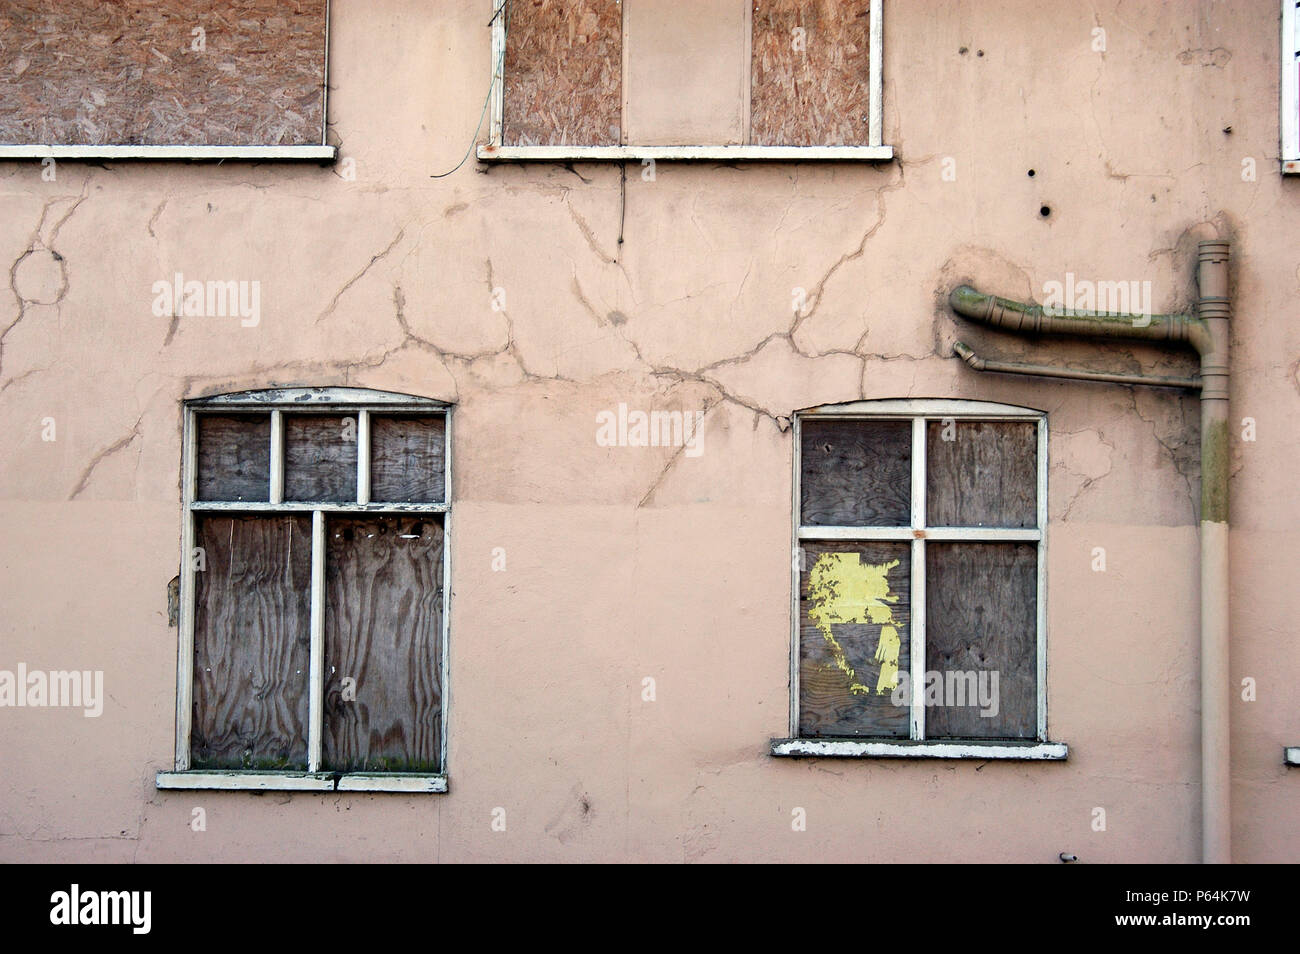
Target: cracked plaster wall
(625, 562)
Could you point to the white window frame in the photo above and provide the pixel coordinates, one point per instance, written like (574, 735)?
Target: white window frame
(919, 413)
(278, 402)
(1289, 88)
(875, 151)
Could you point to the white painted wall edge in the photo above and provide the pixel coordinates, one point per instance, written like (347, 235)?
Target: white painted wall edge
(862, 749)
(302, 782)
(490, 153)
(202, 153)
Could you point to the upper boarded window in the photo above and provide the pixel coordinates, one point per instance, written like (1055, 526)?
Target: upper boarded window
(919, 575)
(203, 74)
(313, 638)
(676, 80)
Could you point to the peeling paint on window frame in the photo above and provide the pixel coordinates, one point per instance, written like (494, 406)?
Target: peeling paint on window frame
(276, 402)
(919, 412)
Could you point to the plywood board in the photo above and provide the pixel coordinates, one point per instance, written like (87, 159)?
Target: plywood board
(981, 619)
(234, 457)
(856, 473)
(83, 72)
(982, 473)
(407, 458)
(383, 631)
(854, 638)
(563, 73)
(810, 73)
(252, 629)
(687, 72)
(320, 457)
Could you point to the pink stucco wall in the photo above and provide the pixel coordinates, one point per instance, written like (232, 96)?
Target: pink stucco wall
(624, 563)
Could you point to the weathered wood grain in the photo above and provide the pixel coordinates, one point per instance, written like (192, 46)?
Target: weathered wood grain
(383, 632)
(810, 88)
(856, 473)
(407, 458)
(981, 617)
(320, 457)
(252, 634)
(563, 73)
(840, 685)
(985, 476)
(89, 72)
(234, 457)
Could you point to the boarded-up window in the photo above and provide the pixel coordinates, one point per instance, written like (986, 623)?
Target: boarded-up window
(811, 73)
(317, 571)
(165, 72)
(709, 73)
(918, 575)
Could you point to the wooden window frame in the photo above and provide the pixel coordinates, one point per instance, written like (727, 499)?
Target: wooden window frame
(875, 151)
(278, 403)
(1289, 88)
(919, 413)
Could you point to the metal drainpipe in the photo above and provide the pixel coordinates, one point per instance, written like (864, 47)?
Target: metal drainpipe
(1207, 331)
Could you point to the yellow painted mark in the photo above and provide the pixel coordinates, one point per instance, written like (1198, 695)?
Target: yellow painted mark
(843, 589)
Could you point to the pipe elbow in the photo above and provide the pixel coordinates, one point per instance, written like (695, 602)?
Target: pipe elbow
(968, 302)
(963, 351)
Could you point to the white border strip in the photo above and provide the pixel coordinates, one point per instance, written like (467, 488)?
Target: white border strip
(316, 656)
(495, 123)
(393, 783)
(325, 81)
(446, 585)
(854, 748)
(495, 153)
(1289, 87)
(940, 534)
(246, 780)
(916, 596)
(241, 506)
(363, 457)
(185, 625)
(300, 782)
(195, 153)
(875, 133)
(1041, 597)
(796, 571)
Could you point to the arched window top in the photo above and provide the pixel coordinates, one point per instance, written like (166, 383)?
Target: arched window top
(308, 397)
(929, 407)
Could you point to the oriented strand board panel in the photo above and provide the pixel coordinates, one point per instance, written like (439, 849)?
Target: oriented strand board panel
(93, 72)
(407, 458)
(383, 637)
(234, 457)
(982, 474)
(563, 73)
(854, 639)
(252, 637)
(320, 457)
(856, 473)
(981, 635)
(810, 73)
(687, 72)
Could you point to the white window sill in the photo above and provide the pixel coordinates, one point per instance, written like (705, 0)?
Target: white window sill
(1291, 755)
(303, 782)
(904, 749)
(198, 153)
(490, 153)
(1290, 167)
